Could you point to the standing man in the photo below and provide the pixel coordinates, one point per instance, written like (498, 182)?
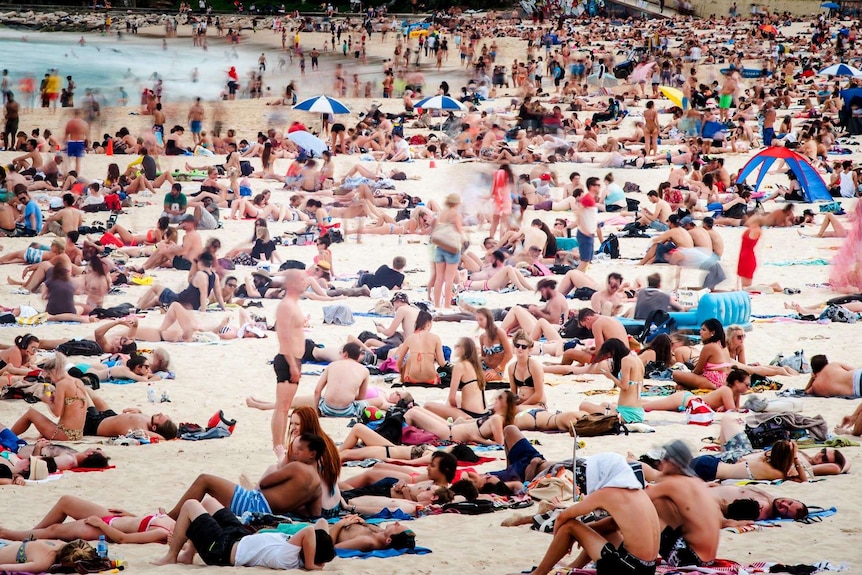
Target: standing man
(196, 120)
(768, 123)
(588, 221)
(11, 127)
(289, 323)
(76, 139)
(725, 97)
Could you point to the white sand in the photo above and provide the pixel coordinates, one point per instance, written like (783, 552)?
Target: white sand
(221, 376)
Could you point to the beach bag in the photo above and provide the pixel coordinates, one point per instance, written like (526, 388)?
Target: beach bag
(839, 314)
(699, 413)
(767, 433)
(549, 487)
(447, 238)
(80, 347)
(114, 312)
(444, 372)
(540, 270)
(572, 329)
(246, 168)
(477, 507)
(595, 425)
(832, 207)
(796, 361)
(392, 426)
(611, 247)
(632, 205)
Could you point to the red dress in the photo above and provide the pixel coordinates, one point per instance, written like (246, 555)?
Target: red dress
(747, 260)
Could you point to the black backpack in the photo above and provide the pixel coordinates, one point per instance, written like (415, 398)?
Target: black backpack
(80, 347)
(611, 247)
(767, 433)
(659, 321)
(116, 311)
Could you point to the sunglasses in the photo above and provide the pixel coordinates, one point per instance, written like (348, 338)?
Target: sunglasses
(521, 346)
(231, 285)
(825, 455)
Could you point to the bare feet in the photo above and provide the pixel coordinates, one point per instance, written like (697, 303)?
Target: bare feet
(843, 430)
(166, 560)
(257, 403)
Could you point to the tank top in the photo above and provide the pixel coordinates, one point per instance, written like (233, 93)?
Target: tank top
(845, 186)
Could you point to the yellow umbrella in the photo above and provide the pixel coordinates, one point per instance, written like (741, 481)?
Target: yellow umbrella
(675, 96)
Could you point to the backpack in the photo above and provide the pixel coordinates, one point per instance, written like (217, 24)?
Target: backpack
(594, 425)
(658, 322)
(80, 347)
(767, 433)
(611, 247)
(116, 311)
(632, 205)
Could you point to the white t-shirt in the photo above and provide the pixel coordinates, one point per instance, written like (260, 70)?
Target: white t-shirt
(402, 146)
(272, 550)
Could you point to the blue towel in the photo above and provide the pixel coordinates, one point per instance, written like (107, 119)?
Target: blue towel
(120, 381)
(389, 515)
(814, 514)
(370, 314)
(381, 553)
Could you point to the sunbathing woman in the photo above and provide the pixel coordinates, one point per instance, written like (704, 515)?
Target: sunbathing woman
(486, 431)
(467, 390)
(496, 346)
(657, 355)
(421, 353)
(18, 359)
(39, 556)
(168, 240)
(153, 236)
(90, 520)
(67, 400)
(526, 376)
(627, 373)
(714, 361)
(725, 398)
(736, 350)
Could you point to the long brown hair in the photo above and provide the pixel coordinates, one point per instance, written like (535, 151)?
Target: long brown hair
(330, 462)
(490, 326)
(471, 356)
(511, 407)
(781, 456)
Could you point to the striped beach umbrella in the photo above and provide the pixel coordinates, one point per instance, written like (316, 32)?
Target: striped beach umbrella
(322, 105)
(440, 103)
(840, 70)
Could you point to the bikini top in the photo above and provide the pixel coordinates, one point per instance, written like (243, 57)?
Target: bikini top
(481, 421)
(464, 384)
(525, 383)
(493, 350)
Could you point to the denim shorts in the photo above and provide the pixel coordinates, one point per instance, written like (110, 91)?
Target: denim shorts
(442, 256)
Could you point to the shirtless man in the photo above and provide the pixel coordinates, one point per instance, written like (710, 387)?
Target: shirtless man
(699, 236)
(76, 134)
(65, 220)
(289, 325)
(725, 97)
(102, 421)
(625, 543)
(657, 219)
(31, 161)
(714, 236)
(609, 300)
(196, 118)
(178, 257)
(352, 532)
(690, 518)
(675, 237)
(603, 328)
(346, 395)
(405, 318)
(833, 379)
(290, 488)
(743, 505)
(555, 310)
(651, 128)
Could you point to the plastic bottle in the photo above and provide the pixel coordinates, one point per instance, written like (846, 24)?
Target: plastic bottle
(151, 393)
(102, 547)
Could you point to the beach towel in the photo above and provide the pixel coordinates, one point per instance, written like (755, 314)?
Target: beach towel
(460, 463)
(810, 262)
(609, 470)
(814, 516)
(380, 553)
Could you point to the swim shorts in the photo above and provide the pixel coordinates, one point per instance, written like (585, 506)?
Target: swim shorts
(738, 445)
(380, 488)
(631, 414)
(857, 383)
(308, 355)
(586, 246)
(244, 191)
(33, 255)
(181, 263)
(675, 550)
(167, 297)
(196, 127)
(75, 148)
(251, 500)
(618, 561)
(282, 369)
(519, 456)
(725, 101)
(662, 249)
(94, 418)
(355, 409)
(215, 535)
(706, 466)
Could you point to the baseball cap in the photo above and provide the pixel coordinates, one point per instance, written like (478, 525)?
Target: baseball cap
(678, 453)
(400, 296)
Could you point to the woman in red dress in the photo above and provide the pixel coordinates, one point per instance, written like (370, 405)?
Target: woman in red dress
(747, 259)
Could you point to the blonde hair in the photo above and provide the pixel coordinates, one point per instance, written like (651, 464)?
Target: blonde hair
(74, 552)
(452, 200)
(56, 364)
(262, 233)
(522, 336)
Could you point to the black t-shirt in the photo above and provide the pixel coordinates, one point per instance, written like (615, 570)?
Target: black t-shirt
(387, 277)
(262, 248)
(148, 165)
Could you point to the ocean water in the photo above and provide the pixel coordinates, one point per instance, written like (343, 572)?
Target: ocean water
(106, 64)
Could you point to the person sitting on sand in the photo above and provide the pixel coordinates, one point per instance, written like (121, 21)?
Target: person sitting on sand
(196, 296)
(627, 373)
(352, 532)
(629, 545)
(713, 364)
(736, 349)
(467, 389)
(292, 488)
(66, 397)
(208, 529)
(835, 379)
(102, 421)
(420, 353)
(725, 398)
(38, 556)
(90, 520)
(555, 310)
(487, 430)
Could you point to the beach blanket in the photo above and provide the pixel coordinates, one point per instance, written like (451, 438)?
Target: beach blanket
(380, 553)
(809, 262)
(118, 381)
(481, 460)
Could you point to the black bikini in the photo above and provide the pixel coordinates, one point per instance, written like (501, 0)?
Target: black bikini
(472, 414)
(525, 383)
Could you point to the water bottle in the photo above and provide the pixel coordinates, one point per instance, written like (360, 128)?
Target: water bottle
(400, 239)
(151, 393)
(102, 547)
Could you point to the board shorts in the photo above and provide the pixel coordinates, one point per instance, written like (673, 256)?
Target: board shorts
(355, 409)
(676, 551)
(519, 456)
(251, 500)
(33, 255)
(196, 126)
(282, 369)
(181, 263)
(618, 561)
(725, 101)
(586, 246)
(75, 148)
(215, 535)
(381, 488)
(857, 383)
(94, 418)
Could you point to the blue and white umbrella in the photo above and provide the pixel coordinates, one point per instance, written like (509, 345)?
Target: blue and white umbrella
(440, 103)
(312, 145)
(322, 105)
(831, 5)
(840, 70)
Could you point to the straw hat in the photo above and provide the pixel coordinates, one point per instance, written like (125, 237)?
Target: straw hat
(38, 468)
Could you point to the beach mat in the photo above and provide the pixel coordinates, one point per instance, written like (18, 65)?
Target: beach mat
(379, 553)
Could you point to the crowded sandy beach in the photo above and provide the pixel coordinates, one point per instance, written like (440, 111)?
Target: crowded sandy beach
(503, 292)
